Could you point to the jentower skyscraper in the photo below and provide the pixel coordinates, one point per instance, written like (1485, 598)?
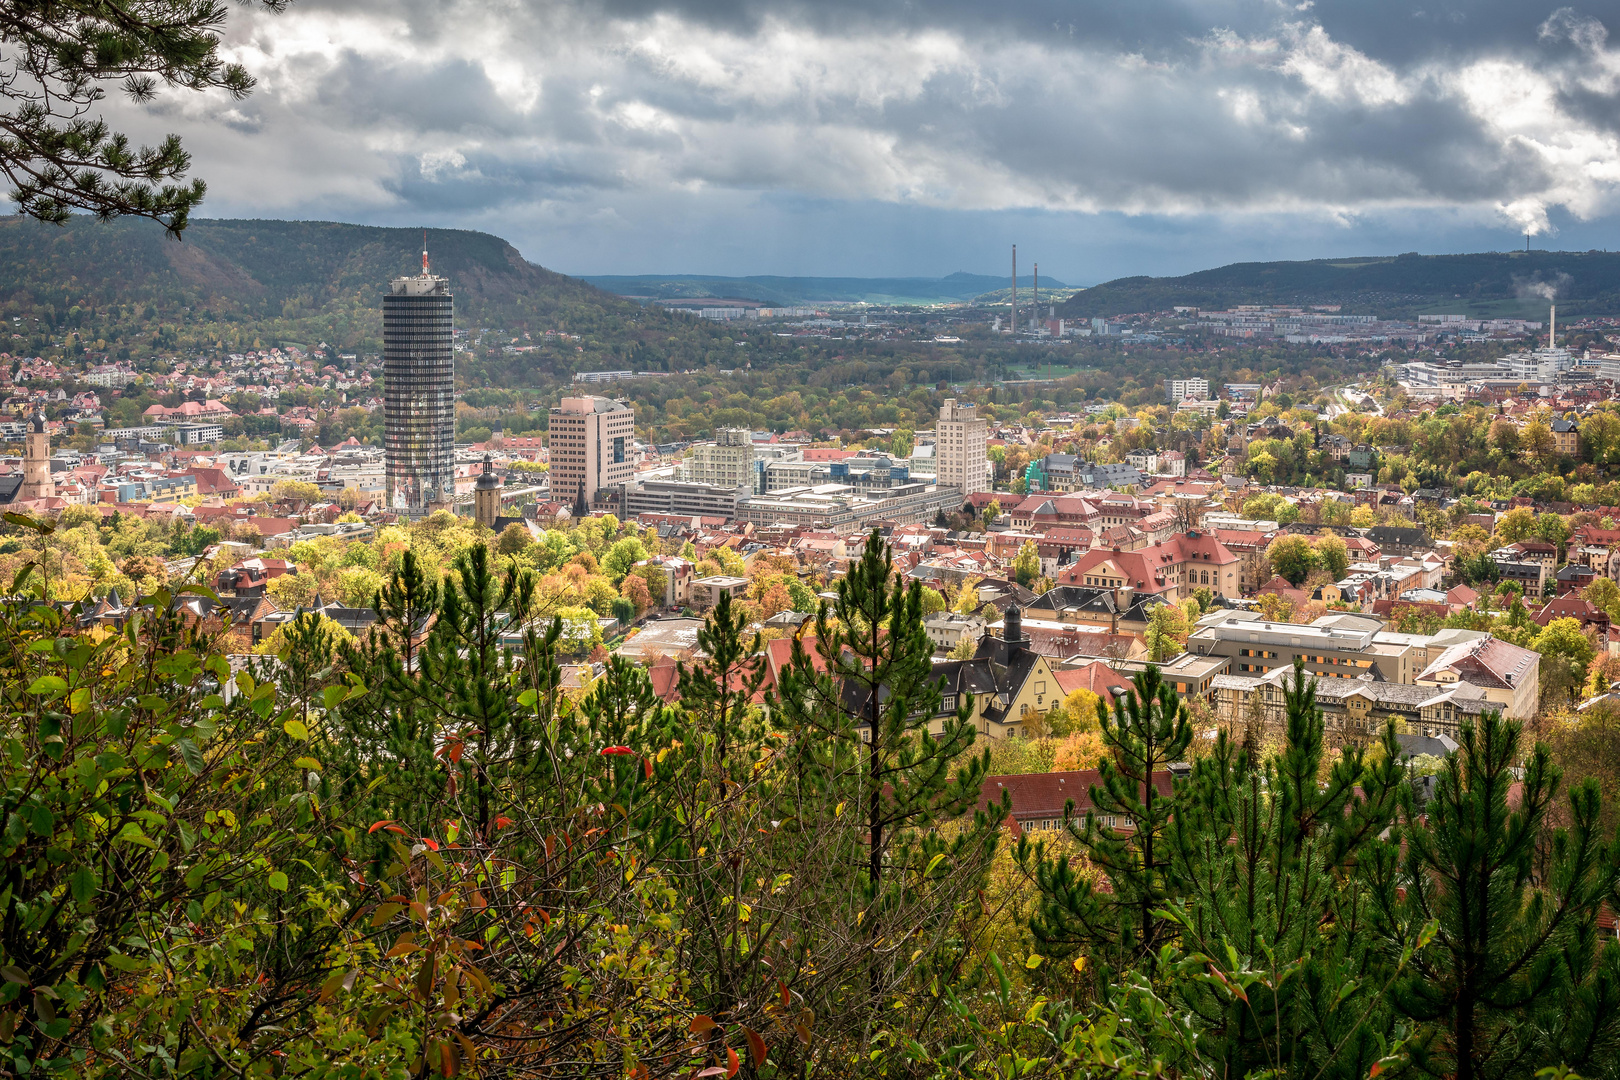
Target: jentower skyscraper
(419, 408)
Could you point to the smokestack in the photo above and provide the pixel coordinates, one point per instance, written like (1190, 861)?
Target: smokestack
(1035, 308)
(1013, 326)
(1552, 327)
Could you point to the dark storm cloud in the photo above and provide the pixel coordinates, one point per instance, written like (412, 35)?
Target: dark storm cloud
(617, 114)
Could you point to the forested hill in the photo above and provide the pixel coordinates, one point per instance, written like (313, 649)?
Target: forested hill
(296, 280)
(1489, 283)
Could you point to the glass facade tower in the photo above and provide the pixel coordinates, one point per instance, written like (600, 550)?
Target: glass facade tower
(419, 408)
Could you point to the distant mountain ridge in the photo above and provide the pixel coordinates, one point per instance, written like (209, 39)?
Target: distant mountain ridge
(265, 268)
(1486, 283)
(789, 291)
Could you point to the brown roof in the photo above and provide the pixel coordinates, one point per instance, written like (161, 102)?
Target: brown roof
(1043, 796)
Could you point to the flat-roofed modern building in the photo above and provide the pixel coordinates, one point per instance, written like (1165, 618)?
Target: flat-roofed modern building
(729, 462)
(962, 447)
(419, 391)
(680, 497)
(591, 439)
(1335, 646)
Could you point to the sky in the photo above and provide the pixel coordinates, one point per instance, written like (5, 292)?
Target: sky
(1105, 138)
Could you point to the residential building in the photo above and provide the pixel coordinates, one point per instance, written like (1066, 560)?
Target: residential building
(1396, 540)
(962, 448)
(1179, 390)
(591, 438)
(1173, 569)
(1353, 711)
(1566, 437)
(706, 591)
(1042, 802)
(419, 408)
(1509, 675)
(947, 629)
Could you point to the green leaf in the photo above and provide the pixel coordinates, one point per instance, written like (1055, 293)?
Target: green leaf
(935, 861)
(296, 729)
(306, 763)
(190, 755)
(1035, 960)
(333, 696)
(83, 883)
(126, 963)
(48, 684)
(278, 881)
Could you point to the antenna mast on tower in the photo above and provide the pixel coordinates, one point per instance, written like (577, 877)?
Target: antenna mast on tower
(424, 254)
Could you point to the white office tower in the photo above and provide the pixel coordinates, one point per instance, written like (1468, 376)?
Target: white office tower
(729, 462)
(962, 449)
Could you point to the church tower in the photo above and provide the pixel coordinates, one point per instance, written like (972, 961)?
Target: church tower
(487, 496)
(37, 482)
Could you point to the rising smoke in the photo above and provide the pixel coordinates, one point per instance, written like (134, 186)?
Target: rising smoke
(1526, 288)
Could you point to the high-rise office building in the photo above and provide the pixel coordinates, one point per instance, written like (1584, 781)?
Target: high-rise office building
(591, 439)
(729, 462)
(962, 448)
(419, 394)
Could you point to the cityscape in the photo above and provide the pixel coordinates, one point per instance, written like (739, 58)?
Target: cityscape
(462, 651)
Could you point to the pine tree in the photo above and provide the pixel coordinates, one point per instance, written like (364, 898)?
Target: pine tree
(1516, 977)
(1264, 872)
(863, 719)
(1123, 836)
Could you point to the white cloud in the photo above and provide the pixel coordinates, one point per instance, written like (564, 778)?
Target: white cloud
(558, 105)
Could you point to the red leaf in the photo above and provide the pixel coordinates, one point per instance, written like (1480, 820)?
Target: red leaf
(712, 1070)
(394, 829)
(455, 753)
(702, 1025)
(732, 1064)
(756, 1046)
(647, 763)
(606, 750)
(378, 825)
(502, 822)
(786, 1000)
(432, 844)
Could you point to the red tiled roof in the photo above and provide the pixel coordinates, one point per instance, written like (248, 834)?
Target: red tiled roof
(1043, 796)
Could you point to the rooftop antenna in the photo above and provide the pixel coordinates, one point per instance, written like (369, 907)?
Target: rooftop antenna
(424, 254)
(1552, 327)
(1013, 326)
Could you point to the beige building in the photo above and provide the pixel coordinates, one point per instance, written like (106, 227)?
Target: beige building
(962, 448)
(591, 440)
(1353, 711)
(728, 463)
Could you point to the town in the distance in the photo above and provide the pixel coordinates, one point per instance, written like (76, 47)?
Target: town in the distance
(1433, 537)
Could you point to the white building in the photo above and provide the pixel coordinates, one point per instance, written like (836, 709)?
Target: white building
(1181, 389)
(961, 447)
